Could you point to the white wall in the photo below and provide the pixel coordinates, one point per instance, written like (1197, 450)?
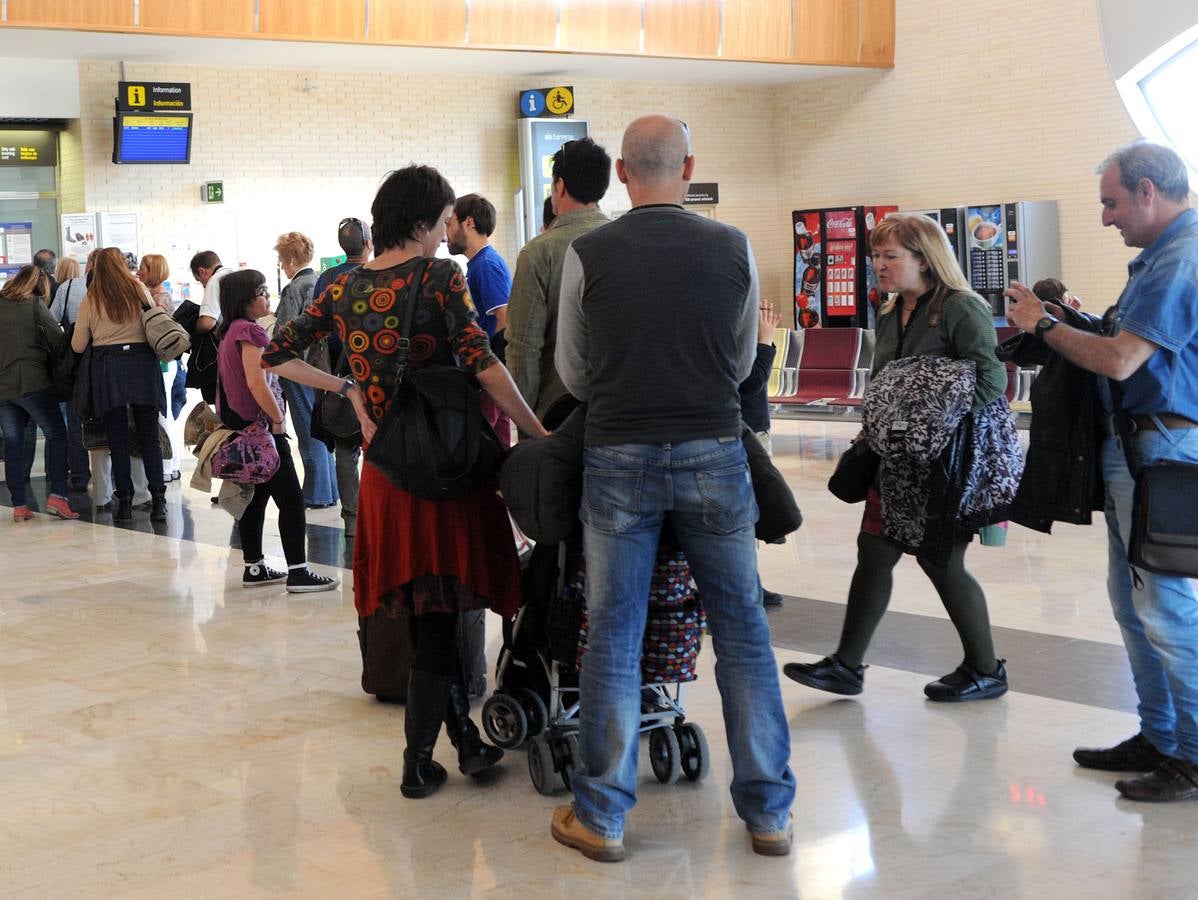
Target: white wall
(39, 88)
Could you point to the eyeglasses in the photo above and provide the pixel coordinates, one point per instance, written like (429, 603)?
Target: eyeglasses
(263, 291)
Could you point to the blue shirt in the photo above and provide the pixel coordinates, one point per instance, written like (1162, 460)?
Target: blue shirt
(490, 285)
(1160, 304)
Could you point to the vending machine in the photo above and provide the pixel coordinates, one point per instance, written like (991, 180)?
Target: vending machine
(1007, 242)
(835, 285)
(952, 220)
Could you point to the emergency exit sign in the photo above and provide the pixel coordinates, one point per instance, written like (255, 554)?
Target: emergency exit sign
(214, 192)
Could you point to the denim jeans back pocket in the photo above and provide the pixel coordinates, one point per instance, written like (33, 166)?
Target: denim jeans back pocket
(727, 496)
(611, 499)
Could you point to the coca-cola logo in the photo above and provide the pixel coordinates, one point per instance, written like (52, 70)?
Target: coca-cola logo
(844, 220)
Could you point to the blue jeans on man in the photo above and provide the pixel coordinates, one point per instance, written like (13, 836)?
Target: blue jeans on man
(16, 414)
(1159, 614)
(703, 488)
(320, 470)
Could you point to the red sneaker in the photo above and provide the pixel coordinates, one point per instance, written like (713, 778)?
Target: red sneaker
(21, 514)
(58, 506)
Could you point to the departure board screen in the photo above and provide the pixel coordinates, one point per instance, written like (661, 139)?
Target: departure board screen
(146, 138)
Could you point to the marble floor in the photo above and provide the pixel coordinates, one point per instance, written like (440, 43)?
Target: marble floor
(165, 733)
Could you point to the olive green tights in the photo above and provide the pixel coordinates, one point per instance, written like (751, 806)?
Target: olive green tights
(869, 595)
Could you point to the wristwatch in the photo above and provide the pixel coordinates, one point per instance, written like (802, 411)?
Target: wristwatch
(1045, 325)
(348, 385)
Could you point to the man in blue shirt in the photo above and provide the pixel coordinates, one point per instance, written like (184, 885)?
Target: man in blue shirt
(1151, 349)
(469, 231)
(490, 283)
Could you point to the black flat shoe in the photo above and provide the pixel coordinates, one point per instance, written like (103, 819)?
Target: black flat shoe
(1173, 781)
(967, 683)
(1135, 754)
(829, 674)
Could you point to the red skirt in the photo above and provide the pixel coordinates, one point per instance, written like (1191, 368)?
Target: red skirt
(427, 556)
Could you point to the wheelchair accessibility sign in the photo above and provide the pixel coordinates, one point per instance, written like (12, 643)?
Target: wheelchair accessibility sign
(550, 102)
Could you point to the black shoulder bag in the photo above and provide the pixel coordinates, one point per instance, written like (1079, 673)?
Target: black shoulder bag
(63, 362)
(433, 441)
(1164, 512)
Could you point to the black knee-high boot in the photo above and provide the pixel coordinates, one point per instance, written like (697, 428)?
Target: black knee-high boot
(428, 694)
(473, 754)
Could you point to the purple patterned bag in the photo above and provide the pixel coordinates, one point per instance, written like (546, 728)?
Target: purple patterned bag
(249, 457)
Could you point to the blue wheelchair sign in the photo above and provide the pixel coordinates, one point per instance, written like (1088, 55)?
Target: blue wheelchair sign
(532, 103)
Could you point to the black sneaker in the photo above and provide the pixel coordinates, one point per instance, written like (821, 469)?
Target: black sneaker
(1136, 754)
(967, 683)
(829, 674)
(770, 598)
(261, 573)
(305, 581)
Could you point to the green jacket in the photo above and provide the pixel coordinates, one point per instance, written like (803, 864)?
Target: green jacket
(965, 331)
(24, 366)
(532, 308)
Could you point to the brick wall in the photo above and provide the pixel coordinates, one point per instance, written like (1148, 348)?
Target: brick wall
(299, 150)
(987, 102)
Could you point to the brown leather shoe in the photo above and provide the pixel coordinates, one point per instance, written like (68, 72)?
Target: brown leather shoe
(1172, 781)
(774, 843)
(1135, 754)
(566, 829)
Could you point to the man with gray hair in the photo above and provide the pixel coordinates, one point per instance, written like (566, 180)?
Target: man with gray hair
(657, 328)
(1147, 351)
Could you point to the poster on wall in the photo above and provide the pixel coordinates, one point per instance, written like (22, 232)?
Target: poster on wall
(809, 257)
(16, 247)
(78, 236)
(119, 229)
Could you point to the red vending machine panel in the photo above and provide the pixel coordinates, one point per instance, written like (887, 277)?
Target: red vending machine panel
(840, 263)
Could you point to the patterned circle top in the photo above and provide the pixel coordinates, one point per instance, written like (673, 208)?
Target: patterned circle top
(366, 307)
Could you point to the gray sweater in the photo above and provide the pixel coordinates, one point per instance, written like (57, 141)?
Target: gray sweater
(657, 326)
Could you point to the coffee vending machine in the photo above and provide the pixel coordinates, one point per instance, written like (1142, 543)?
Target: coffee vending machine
(952, 220)
(1007, 242)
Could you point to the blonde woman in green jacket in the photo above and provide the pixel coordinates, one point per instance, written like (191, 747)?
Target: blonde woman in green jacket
(931, 312)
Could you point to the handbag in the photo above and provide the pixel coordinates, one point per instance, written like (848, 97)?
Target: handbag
(250, 455)
(1164, 509)
(62, 362)
(93, 433)
(778, 512)
(335, 412)
(433, 441)
(166, 337)
(855, 472)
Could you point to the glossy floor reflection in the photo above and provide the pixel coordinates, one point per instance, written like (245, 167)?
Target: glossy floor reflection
(165, 733)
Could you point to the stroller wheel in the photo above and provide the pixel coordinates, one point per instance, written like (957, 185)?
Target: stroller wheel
(544, 777)
(664, 755)
(696, 758)
(534, 710)
(504, 721)
(571, 760)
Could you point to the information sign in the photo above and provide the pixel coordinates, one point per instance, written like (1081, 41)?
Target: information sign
(153, 96)
(548, 102)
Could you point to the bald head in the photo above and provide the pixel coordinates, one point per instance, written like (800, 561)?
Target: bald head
(655, 149)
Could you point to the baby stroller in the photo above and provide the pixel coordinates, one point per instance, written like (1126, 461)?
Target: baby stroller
(537, 696)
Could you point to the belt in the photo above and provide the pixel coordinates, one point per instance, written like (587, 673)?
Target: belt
(1147, 423)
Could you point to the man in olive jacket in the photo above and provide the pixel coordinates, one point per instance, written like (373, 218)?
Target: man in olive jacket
(581, 174)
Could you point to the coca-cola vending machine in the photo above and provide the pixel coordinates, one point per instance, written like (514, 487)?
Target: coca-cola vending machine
(835, 285)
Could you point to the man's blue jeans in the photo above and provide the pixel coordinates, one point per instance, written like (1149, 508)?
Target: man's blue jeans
(40, 407)
(703, 488)
(1159, 617)
(320, 471)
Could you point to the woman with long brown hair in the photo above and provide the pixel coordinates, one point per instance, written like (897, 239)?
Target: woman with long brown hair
(125, 377)
(27, 331)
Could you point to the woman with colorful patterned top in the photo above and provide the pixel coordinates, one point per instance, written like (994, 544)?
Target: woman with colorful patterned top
(427, 559)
